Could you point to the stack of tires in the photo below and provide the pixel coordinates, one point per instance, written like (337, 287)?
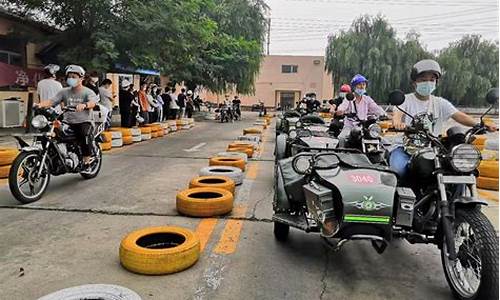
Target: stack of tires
(172, 124)
(127, 137)
(156, 130)
(136, 134)
(252, 130)
(183, 124)
(262, 123)
(165, 127)
(116, 138)
(7, 156)
(107, 138)
(488, 169)
(145, 133)
(190, 122)
(248, 149)
(480, 141)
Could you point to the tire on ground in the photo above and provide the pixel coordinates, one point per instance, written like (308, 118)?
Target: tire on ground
(248, 151)
(145, 130)
(479, 140)
(159, 250)
(116, 143)
(252, 131)
(227, 161)
(487, 183)
(232, 172)
(93, 291)
(145, 136)
(127, 140)
(241, 155)
(107, 136)
(204, 202)
(106, 146)
(116, 135)
(7, 156)
(220, 182)
(488, 169)
(124, 131)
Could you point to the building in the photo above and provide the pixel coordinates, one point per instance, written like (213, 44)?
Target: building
(283, 80)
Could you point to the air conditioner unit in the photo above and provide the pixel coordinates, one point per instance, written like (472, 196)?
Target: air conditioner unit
(11, 113)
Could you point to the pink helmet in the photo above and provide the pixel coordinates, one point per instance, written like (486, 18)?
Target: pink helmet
(345, 88)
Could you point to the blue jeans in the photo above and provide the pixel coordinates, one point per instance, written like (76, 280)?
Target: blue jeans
(398, 161)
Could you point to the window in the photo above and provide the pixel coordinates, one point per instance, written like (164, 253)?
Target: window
(10, 58)
(289, 68)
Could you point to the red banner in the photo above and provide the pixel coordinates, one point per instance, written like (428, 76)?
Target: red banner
(17, 76)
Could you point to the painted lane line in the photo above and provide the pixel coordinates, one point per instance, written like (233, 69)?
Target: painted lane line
(195, 148)
(231, 234)
(204, 231)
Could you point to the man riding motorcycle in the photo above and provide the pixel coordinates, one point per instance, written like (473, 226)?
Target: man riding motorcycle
(424, 75)
(83, 99)
(362, 106)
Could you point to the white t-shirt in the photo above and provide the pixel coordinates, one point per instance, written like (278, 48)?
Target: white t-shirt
(440, 108)
(48, 88)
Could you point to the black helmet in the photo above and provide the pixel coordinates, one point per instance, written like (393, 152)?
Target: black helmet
(425, 65)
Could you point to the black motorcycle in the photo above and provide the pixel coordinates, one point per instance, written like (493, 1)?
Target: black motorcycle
(54, 151)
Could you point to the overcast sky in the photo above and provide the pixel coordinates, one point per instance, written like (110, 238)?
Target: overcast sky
(301, 27)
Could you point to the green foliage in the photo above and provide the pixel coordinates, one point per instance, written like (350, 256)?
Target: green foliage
(370, 47)
(214, 43)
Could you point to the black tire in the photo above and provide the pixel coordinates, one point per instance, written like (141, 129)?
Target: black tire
(487, 241)
(281, 231)
(96, 168)
(13, 179)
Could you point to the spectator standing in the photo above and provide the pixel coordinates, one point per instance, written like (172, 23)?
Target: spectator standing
(125, 98)
(181, 101)
(144, 103)
(166, 104)
(189, 104)
(174, 108)
(106, 100)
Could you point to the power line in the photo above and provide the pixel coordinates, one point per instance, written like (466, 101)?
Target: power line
(401, 3)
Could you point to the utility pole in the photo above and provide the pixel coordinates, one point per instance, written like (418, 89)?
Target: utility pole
(268, 34)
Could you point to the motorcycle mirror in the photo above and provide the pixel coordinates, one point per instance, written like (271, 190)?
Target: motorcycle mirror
(349, 96)
(396, 97)
(302, 163)
(492, 96)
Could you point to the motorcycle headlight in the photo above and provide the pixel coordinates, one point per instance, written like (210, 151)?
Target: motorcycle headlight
(374, 131)
(292, 134)
(39, 122)
(298, 124)
(465, 158)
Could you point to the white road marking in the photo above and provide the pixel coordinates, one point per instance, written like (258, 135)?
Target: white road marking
(195, 148)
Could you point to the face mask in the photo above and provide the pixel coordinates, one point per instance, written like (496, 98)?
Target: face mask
(425, 88)
(342, 95)
(72, 82)
(94, 79)
(360, 92)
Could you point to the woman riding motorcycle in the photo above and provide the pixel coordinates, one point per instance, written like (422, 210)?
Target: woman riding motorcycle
(424, 75)
(362, 106)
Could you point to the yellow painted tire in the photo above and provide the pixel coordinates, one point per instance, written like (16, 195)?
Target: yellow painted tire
(221, 182)
(127, 140)
(488, 169)
(140, 251)
(145, 130)
(241, 144)
(161, 133)
(252, 130)
(204, 202)
(7, 156)
(248, 151)
(385, 124)
(480, 140)
(4, 171)
(106, 146)
(124, 131)
(489, 155)
(487, 183)
(107, 137)
(227, 161)
(479, 147)
(154, 134)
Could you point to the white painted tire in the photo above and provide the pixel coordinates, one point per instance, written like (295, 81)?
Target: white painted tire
(166, 130)
(255, 144)
(135, 131)
(491, 144)
(234, 154)
(116, 135)
(116, 143)
(136, 138)
(185, 127)
(251, 138)
(232, 172)
(145, 137)
(93, 291)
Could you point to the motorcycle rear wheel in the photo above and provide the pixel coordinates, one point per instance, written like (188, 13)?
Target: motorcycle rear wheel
(23, 173)
(281, 231)
(477, 251)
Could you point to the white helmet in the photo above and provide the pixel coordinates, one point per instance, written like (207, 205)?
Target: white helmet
(425, 65)
(125, 83)
(52, 68)
(189, 92)
(75, 69)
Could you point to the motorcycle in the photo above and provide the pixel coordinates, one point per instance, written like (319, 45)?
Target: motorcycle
(286, 121)
(224, 114)
(54, 151)
(236, 112)
(438, 204)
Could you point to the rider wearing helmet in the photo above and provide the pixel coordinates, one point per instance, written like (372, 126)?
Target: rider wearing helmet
(83, 99)
(344, 89)
(425, 75)
(362, 106)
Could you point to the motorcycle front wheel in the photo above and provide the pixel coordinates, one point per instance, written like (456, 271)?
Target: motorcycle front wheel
(474, 274)
(24, 182)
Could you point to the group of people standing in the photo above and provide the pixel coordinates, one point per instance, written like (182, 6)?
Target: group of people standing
(152, 104)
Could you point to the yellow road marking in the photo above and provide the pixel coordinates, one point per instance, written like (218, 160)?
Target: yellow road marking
(205, 230)
(492, 196)
(252, 170)
(231, 234)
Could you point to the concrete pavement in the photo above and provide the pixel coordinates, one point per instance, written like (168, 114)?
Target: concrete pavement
(71, 236)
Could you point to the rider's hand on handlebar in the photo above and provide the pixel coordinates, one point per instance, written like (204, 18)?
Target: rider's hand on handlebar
(81, 107)
(399, 125)
(491, 127)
